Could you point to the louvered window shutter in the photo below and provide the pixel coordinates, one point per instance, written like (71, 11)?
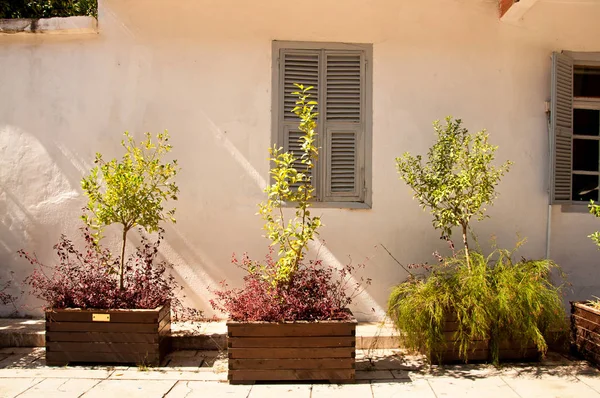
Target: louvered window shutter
(302, 67)
(562, 127)
(344, 126)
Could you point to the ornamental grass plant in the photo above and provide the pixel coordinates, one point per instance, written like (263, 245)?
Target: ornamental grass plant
(495, 297)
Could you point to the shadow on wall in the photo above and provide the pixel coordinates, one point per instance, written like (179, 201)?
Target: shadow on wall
(40, 198)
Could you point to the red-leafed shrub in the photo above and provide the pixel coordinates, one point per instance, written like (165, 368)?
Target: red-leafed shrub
(89, 278)
(315, 292)
(6, 298)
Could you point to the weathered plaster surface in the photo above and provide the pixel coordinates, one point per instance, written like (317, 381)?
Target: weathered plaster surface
(202, 69)
(68, 25)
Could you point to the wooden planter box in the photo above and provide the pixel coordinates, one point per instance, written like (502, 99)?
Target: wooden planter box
(480, 349)
(265, 351)
(107, 336)
(585, 331)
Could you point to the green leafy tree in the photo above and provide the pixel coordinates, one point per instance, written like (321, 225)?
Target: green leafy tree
(292, 185)
(595, 210)
(47, 8)
(458, 180)
(131, 192)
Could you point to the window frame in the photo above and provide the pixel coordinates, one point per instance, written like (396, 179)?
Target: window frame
(591, 59)
(589, 104)
(321, 175)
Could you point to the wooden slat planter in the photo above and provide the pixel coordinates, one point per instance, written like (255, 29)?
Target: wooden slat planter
(107, 336)
(264, 351)
(585, 331)
(479, 349)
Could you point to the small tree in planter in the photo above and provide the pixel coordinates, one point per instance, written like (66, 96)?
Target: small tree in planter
(585, 315)
(458, 180)
(105, 308)
(468, 302)
(131, 192)
(301, 306)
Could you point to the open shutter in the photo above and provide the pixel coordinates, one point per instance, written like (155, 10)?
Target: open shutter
(343, 104)
(562, 127)
(302, 67)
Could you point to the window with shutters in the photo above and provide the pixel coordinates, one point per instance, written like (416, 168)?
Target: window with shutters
(575, 125)
(341, 76)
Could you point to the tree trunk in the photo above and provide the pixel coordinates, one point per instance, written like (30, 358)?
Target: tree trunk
(122, 266)
(465, 241)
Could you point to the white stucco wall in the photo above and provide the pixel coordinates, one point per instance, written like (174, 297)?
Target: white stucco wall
(202, 69)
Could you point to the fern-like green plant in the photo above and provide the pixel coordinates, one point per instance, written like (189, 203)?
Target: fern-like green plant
(494, 298)
(291, 185)
(526, 304)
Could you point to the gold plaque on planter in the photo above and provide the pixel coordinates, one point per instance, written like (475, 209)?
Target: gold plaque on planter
(101, 317)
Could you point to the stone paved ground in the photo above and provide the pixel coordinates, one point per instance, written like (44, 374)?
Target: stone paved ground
(380, 374)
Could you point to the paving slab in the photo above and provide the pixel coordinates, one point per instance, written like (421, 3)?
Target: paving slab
(401, 374)
(593, 381)
(549, 386)
(418, 388)
(279, 390)
(200, 389)
(169, 374)
(131, 389)
(23, 358)
(10, 388)
(341, 391)
(185, 363)
(492, 386)
(59, 373)
(182, 354)
(60, 388)
(17, 332)
(203, 374)
(374, 375)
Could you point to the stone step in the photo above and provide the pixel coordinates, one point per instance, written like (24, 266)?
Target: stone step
(16, 332)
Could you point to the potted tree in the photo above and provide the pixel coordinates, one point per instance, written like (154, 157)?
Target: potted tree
(469, 306)
(106, 308)
(585, 315)
(290, 320)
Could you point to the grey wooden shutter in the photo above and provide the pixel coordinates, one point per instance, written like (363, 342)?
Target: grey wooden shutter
(302, 67)
(562, 127)
(343, 109)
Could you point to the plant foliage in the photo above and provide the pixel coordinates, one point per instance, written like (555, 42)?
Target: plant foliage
(88, 278)
(458, 179)
(131, 192)
(47, 8)
(496, 298)
(285, 287)
(292, 236)
(595, 210)
(314, 293)
(5, 297)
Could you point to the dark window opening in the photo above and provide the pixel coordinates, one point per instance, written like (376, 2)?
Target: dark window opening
(586, 81)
